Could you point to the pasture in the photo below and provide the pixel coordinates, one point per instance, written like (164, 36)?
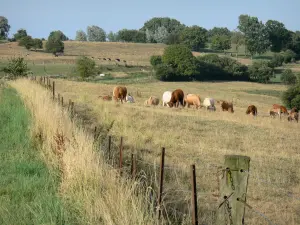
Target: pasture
(202, 137)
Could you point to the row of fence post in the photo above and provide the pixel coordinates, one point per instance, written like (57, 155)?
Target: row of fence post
(235, 166)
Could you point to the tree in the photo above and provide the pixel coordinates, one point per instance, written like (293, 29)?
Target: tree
(289, 56)
(279, 36)
(172, 26)
(112, 37)
(277, 60)
(238, 39)
(294, 44)
(218, 31)
(161, 35)
(132, 36)
(20, 34)
(288, 77)
(54, 44)
(260, 71)
(26, 42)
(96, 33)
(4, 27)
(81, 36)
(16, 67)
(291, 97)
(155, 60)
(220, 42)
(57, 34)
(37, 43)
(85, 66)
(194, 37)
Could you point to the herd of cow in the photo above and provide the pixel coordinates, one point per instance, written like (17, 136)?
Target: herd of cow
(177, 97)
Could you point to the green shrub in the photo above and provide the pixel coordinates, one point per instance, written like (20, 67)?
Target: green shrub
(288, 77)
(54, 43)
(289, 56)
(85, 66)
(291, 97)
(260, 71)
(26, 42)
(164, 72)
(277, 60)
(155, 60)
(16, 67)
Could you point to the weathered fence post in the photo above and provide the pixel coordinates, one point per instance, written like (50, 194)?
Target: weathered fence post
(62, 101)
(194, 196)
(109, 146)
(133, 166)
(69, 106)
(161, 180)
(58, 98)
(120, 158)
(53, 90)
(233, 189)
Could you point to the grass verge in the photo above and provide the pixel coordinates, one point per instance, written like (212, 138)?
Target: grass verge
(28, 191)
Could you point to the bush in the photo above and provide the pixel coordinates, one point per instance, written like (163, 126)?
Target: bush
(54, 45)
(291, 97)
(37, 44)
(288, 77)
(155, 60)
(85, 66)
(276, 60)
(164, 72)
(26, 42)
(289, 56)
(16, 67)
(260, 71)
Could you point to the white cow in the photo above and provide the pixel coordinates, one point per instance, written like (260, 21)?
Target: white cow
(209, 104)
(129, 99)
(166, 98)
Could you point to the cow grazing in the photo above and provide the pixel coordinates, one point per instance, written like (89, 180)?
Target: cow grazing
(152, 101)
(109, 59)
(166, 98)
(129, 98)
(209, 104)
(294, 110)
(293, 116)
(106, 98)
(120, 92)
(192, 99)
(118, 60)
(104, 58)
(251, 110)
(177, 98)
(226, 106)
(280, 109)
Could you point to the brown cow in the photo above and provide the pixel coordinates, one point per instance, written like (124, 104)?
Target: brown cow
(152, 101)
(252, 110)
(294, 110)
(120, 92)
(106, 97)
(293, 116)
(177, 98)
(192, 99)
(280, 109)
(226, 106)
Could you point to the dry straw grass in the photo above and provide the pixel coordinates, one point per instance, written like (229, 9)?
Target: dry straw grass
(87, 183)
(203, 138)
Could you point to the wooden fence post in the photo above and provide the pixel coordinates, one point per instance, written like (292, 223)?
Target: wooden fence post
(120, 158)
(161, 181)
(194, 196)
(133, 166)
(62, 101)
(53, 90)
(69, 106)
(233, 187)
(58, 98)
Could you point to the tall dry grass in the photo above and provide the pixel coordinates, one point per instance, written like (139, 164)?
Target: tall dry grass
(87, 184)
(201, 137)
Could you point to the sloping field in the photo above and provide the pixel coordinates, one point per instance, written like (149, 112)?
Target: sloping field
(201, 137)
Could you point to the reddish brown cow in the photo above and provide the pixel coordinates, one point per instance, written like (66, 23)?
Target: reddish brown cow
(120, 92)
(280, 109)
(252, 110)
(293, 116)
(176, 98)
(226, 106)
(192, 99)
(294, 110)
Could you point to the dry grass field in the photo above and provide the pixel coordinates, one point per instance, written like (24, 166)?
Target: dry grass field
(201, 137)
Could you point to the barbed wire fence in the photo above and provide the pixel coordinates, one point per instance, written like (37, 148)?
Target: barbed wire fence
(172, 189)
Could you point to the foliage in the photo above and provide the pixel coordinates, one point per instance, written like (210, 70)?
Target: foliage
(81, 36)
(26, 42)
(54, 43)
(256, 34)
(238, 39)
(194, 37)
(16, 67)
(218, 31)
(294, 44)
(135, 36)
(173, 38)
(291, 97)
(165, 72)
(260, 71)
(155, 60)
(220, 42)
(58, 35)
(277, 60)
(21, 33)
(96, 33)
(37, 43)
(4, 27)
(279, 36)
(85, 66)
(289, 56)
(288, 77)
(112, 37)
(160, 35)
